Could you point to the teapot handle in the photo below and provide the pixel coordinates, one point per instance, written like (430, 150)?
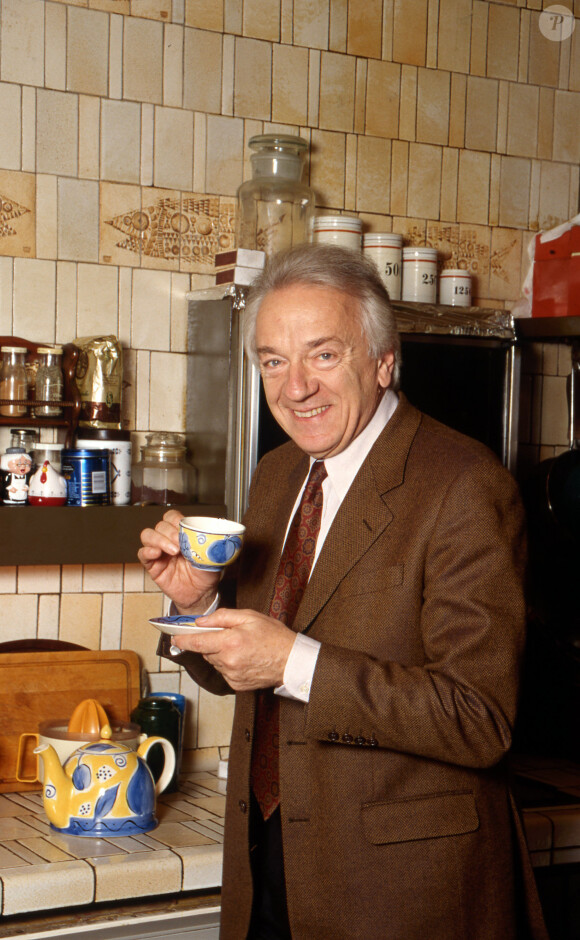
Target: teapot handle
(169, 764)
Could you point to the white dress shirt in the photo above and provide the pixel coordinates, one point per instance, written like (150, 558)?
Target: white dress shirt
(341, 471)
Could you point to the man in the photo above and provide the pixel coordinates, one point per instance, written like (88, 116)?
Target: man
(395, 686)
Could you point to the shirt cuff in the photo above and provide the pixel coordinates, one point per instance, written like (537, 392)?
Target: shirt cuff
(300, 668)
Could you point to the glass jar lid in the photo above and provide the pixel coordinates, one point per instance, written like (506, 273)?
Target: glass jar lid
(277, 155)
(13, 349)
(49, 350)
(164, 445)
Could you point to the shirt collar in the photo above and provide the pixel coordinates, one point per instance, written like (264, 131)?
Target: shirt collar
(343, 468)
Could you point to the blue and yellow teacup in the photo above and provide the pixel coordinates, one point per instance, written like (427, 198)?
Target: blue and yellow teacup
(208, 543)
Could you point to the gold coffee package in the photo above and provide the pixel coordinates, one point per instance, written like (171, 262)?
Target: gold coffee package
(99, 379)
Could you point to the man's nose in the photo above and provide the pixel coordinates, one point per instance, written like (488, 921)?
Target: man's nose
(299, 381)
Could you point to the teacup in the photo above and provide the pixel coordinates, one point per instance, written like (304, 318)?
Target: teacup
(210, 544)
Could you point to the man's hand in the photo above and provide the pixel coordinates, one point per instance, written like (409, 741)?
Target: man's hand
(250, 653)
(190, 589)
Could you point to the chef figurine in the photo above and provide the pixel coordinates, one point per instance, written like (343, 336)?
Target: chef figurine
(15, 467)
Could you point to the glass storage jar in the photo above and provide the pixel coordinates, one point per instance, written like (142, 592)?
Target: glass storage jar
(275, 207)
(49, 382)
(13, 381)
(163, 476)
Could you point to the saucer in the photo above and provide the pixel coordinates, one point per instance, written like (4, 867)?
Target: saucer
(180, 624)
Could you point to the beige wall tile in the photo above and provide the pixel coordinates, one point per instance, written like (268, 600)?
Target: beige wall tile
(360, 85)
(112, 618)
(506, 275)
(365, 28)
(503, 41)
(19, 613)
(261, 19)
(481, 114)
(311, 23)
(382, 99)
(142, 373)
(180, 285)
(173, 70)
(151, 310)
(408, 105)
(205, 15)
(389, 30)
(6, 283)
(80, 619)
(120, 7)
(338, 25)
(433, 94)
(153, 9)
(214, 719)
(72, 579)
(525, 26)
(479, 29)
(233, 15)
(66, 301)
(373, 174)
(457, 110)
(473, 187)
(34, 299)
(78, 220)
(11, 139)
(543, 56)
(424, 180)
(399, 177)
(97, 292)
(124, 334)
(116, 57)
(449, 176)
(546, 123)
(161, 222)
(554, 193)
(494, 189)
(147, 144)
(554, 417)
(502, 116)
(173, 161)
(23, 42)
(523, 112)
(454, 35)
(574, 84)
(120, 141)
(327, 168)
(290, 85)
(48, 616)
(337, 86)
(20, 214)
(55, 64)
(253, 79)
(574, 191)
(102, 578)
(224, 155)
(566, 124)
(40, 579)
(89, 131)
(313, 87)
(29, 153)
(350, 172)
(134, 575)
(168, 383)
(202, 69)
(57, 133)
(410, 31)
(8, 580)
(87, 51)
(514, 192)
(228, 57)
(136, 633)
(142, 74)
(121, 224)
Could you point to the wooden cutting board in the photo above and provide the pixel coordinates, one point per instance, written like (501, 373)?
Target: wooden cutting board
(48, 686)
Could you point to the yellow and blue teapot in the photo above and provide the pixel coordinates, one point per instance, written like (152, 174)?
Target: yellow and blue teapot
(104, 788)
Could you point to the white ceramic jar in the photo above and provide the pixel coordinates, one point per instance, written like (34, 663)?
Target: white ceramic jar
(386, 250)
(343, 230)
(420, 275)
(455, 287)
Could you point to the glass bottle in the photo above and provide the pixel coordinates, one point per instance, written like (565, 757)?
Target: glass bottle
(49, 381)
(161, 717)
(13, 382)
(275, 207)
(163, 476)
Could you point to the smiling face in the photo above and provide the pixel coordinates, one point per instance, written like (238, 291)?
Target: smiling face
(319, 380)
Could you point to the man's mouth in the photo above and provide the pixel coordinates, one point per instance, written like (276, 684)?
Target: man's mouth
(310, 414)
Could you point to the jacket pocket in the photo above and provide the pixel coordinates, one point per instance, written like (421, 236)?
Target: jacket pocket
(426, 817)
(360, 581)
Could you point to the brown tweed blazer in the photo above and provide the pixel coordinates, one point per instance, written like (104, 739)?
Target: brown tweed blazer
(396, 816)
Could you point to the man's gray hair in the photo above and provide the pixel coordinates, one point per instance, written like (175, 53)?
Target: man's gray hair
(329, 266)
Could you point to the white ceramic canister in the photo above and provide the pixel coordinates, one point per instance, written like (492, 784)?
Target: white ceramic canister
(343, 230)
(119, 444)
(455, 287)
(420, 275)
(386, 250)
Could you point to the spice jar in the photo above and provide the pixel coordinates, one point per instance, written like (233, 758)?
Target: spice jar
(13, 382)
(49, 381)
(163, 476)
(275, 206)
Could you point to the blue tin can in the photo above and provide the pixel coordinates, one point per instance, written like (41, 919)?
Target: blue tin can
(87, 475)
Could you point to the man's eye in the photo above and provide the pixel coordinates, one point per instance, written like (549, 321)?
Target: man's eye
(270, 363)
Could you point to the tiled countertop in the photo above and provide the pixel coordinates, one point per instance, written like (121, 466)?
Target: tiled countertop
(41, 869)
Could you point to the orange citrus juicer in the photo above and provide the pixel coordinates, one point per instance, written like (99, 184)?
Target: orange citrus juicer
(89, 717)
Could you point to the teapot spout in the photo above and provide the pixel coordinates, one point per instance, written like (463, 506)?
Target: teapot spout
(58, 787)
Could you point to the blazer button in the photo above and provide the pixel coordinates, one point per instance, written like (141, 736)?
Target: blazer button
(360, 740)
(373, 742)
(247, 735)
(333, 736)
(347, 738)
(243, 806)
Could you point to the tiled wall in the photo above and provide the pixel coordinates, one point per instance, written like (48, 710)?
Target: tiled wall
(124, 138)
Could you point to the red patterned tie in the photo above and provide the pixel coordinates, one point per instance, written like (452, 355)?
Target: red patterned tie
(291, 581)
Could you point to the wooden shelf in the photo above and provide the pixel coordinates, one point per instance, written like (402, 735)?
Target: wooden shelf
(80, 535)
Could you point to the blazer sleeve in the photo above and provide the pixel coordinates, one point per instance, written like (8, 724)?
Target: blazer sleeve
(456, 701)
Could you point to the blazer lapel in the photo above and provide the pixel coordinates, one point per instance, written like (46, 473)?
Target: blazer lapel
(364, 513)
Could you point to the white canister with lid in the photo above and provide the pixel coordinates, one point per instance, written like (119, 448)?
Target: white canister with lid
(343, 230)
(118, 443)
(420, 275)
(386, 250)
(455, 287)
